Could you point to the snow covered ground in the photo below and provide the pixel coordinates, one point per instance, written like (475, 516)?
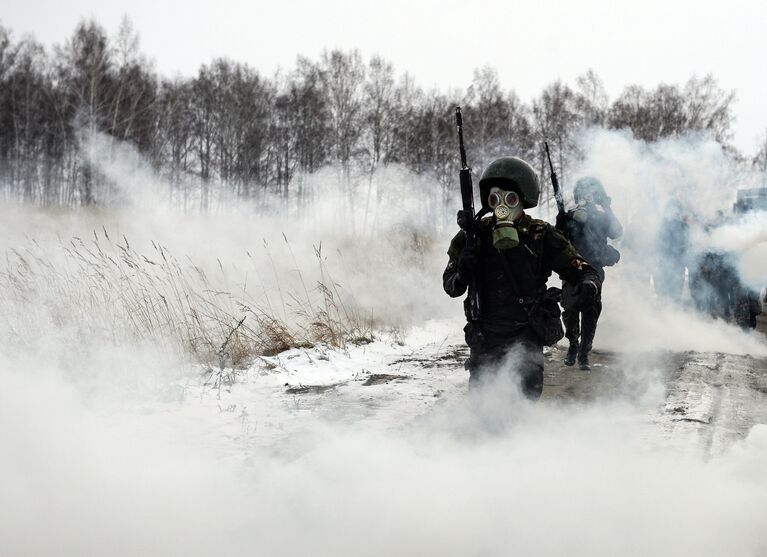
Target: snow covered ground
(704, 401)
(112, 446)
(380, 449)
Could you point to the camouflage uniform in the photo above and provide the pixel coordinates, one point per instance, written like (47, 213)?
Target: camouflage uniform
(714, 283)
(717, 290)
(672, 246)
(746, 308)
(588, 228)
(504, 323)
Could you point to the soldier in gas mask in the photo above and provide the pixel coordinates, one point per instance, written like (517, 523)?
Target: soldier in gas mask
(588, 227)
(514, 256)
(672, 248)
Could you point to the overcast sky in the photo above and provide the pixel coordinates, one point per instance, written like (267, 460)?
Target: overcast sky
(441, 42)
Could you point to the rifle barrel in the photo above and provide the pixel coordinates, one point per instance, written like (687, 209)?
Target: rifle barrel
(459, 124)
(555, 182)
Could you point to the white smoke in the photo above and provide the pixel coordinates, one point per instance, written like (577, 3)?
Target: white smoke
(642, 179)
(746, 239)
(105, 452)
(86, 475)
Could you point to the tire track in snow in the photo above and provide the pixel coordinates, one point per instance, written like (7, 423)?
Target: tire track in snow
(712, 403)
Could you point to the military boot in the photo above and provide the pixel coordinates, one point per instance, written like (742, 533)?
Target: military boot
(583, 360)
(572, 352)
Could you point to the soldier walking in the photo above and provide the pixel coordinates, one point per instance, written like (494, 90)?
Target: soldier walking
(587, 226)
(509, 265)
(672, 246)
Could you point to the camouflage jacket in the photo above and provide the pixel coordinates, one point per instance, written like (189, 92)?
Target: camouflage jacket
(588, 228)
(542, 249)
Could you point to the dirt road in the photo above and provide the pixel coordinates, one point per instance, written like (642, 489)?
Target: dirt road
(704, 400)
(710, 401)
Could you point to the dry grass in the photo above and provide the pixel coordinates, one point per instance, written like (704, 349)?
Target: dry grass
(106, 291)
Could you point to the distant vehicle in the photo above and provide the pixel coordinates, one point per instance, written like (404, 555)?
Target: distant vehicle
(753, 199)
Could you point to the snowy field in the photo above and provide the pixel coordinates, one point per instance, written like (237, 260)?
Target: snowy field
(377, 448)
(272, 385)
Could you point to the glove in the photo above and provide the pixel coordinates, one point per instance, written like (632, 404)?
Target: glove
(467, 265)
(462, 220)
(559, 224)
(585, 293)
(581, 214)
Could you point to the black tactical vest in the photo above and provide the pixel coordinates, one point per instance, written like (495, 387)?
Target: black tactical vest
(510, 280)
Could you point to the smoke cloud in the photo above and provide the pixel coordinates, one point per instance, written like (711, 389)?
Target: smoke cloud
(92, 475)
(696, 175)
(106, 451)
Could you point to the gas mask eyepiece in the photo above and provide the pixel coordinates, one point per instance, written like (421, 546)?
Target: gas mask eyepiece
(502, 202)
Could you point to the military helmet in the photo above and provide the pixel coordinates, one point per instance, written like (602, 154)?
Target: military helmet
(510, 173)
(589, 185)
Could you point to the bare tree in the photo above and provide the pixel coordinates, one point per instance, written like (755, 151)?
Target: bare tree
(174, 141)
(135, 94)
(591, 101)
(380, 111)
(342, 77)
(229, 132)
(311, 119)
(671, 111)
(760, 159)
(203, 107)
(84, 69)
(709, 107)
(556, 121)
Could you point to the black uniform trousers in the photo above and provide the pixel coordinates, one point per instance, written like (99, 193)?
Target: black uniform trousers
(580, 324)
(518, 356)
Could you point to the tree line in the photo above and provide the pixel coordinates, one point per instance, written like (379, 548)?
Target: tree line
(231, 132)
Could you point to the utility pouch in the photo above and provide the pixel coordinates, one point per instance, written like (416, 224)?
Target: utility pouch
(544, 317)
(473, 335)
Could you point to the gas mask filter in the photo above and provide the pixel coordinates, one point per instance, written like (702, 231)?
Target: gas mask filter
(507, 207)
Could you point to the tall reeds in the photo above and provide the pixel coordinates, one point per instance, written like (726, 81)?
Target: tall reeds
(104, 290)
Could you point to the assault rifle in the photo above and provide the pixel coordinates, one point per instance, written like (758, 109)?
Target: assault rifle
(466, 216)
(557, 191)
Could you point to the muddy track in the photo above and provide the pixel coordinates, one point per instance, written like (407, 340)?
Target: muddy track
(710, 400)
(702, 401)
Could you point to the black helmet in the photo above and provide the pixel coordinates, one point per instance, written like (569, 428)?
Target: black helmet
(510, 173)
(589, 185)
